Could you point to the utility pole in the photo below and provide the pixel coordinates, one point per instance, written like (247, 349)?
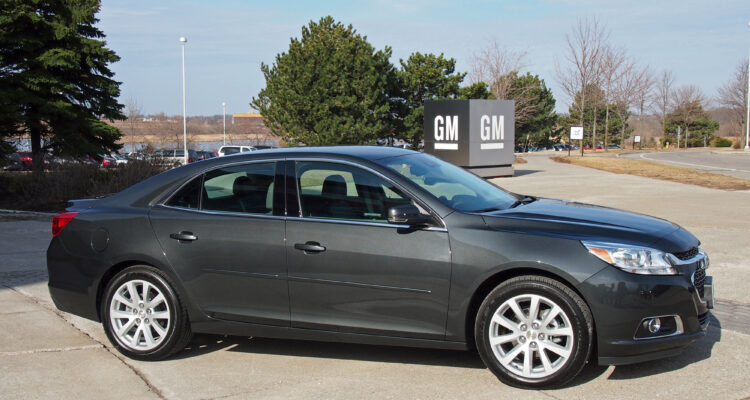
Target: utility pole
(183, 40)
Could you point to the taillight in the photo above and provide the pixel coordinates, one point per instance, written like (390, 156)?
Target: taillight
(60, 220)
(26, 158)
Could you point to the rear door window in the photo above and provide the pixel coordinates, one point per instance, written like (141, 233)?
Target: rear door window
(244, 189)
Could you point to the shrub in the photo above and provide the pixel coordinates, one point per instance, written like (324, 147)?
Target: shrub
(51, 190)
(721, 142)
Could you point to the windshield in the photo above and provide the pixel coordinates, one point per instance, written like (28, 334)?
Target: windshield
(453, 186)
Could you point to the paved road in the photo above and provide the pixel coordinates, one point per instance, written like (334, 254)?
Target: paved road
(735, 164)
(48, 354)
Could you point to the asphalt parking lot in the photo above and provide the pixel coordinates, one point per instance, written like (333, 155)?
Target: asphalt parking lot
(45, 353)
(732, 163)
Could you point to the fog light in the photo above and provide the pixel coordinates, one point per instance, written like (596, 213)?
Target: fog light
(652, 324)
(654, 327)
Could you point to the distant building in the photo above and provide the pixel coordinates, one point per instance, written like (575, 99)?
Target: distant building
(250, 124)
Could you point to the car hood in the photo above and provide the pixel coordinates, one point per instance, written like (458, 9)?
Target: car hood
(579, 221)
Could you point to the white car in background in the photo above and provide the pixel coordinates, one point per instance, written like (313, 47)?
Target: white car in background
(229, 150)
(119, 159)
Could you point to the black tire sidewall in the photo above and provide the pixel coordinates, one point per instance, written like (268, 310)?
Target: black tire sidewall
(153, 277)
(579, 318)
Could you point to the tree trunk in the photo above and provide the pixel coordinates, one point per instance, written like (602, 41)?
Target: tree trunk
(593, 133)
(37, 155)
(583, 108)
(606, 127)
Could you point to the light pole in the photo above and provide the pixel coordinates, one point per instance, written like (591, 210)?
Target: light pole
(747, 95)
(183, 40)
(224, 111)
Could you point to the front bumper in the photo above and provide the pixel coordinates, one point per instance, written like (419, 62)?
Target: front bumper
(620, 302)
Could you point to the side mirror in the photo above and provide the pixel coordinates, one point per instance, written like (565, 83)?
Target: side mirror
(408, 214)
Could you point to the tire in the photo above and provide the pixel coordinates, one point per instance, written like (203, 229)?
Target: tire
(150, 328)
(545, 351)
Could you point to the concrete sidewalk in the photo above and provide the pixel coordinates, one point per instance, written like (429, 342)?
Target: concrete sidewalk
(48, 354)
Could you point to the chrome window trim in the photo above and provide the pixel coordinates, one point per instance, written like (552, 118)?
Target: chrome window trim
(409, 193)
(364, 223)
(169, 195)
(679, 327)
(306, 219)
(224, 213)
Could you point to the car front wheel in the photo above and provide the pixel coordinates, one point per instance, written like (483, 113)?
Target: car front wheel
(142, 315)
(534, 332)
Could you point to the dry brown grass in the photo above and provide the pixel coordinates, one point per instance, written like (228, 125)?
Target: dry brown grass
(520, 160)
(650, 169)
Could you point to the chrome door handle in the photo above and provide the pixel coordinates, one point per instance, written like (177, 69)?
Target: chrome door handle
(311, 247)
(183, 236)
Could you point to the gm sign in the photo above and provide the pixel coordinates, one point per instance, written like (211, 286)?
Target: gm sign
(446, 132)
(474, 134)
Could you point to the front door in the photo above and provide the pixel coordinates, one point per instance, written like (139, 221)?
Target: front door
(349, 270)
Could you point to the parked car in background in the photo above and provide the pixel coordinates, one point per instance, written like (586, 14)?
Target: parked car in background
(205, 155)
(614, 146)
(229, 150)
(27, 160)
(104, 160)
(264, 147)
(120, 159)
(562, 147)
(139, 155)
(175, 157)
(384, 246)
(11, 162)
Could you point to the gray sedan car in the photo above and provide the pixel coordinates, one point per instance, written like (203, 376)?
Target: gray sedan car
(382, 246)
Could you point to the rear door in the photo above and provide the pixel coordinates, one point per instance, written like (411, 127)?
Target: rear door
(223, 232)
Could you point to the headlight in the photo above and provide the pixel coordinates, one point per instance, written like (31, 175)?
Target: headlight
(633, 259)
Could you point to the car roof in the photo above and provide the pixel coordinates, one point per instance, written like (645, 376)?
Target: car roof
(144, 192)
(363, 152)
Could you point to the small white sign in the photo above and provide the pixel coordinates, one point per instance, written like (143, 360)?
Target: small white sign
(576, 133)
(637, 139)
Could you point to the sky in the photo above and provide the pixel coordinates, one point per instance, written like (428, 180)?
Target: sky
(701, 42)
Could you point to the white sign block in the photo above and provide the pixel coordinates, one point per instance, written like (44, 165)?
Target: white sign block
(576, 133)
(637, 139)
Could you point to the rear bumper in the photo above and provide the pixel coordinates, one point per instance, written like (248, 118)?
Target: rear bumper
(71, 289)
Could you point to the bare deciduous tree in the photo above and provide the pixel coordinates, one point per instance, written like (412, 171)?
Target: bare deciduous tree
(644, 93)
(614, 64)
(689, 103)
(585, 47)
(495, 66)
(663, 100)
(733, 95)
(500, 68)
(626, 92)
(132, 112)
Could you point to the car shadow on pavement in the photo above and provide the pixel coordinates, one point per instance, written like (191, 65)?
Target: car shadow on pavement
(697, 351)
(203, 344)
(522, 172)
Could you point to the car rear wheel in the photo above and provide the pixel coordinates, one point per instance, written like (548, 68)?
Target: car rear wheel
(142, 314)
(534, 332)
